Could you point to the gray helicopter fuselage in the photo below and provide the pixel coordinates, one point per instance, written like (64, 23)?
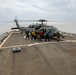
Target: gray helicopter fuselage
(24, 29)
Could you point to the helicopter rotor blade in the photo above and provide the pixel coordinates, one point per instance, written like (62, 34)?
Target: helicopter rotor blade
(9, 21)
(27, 20)
(41, 20)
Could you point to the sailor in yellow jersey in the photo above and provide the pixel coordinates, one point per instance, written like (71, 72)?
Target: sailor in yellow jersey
(33, 35)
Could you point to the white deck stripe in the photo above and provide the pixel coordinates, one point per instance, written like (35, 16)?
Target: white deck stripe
(5, 39)
(69, 41)
(37, 43)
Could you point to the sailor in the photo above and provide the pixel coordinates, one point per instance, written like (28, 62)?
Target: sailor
(33, 35)
(44, 35)
(58, 36)
(27, 34)
(41, 35)
(47, 36)
(38, 37)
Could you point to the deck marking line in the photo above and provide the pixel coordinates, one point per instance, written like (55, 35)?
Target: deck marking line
(69, 41)
(13, 46)
(5, 39)
(38, 44)
(27, 45)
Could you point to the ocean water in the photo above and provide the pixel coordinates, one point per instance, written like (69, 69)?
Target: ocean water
(4, 27)
(65, 27)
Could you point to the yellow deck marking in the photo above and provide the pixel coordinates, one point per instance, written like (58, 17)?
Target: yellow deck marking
(37, 43)
(5, 40)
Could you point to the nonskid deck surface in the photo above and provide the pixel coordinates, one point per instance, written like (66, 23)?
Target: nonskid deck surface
(16, 39)
(38, 58)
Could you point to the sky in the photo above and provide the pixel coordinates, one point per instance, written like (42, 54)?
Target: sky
(55, 10)
(60, 10)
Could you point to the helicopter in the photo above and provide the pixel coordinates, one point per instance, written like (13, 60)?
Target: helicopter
(31, 27)
(38, 27)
